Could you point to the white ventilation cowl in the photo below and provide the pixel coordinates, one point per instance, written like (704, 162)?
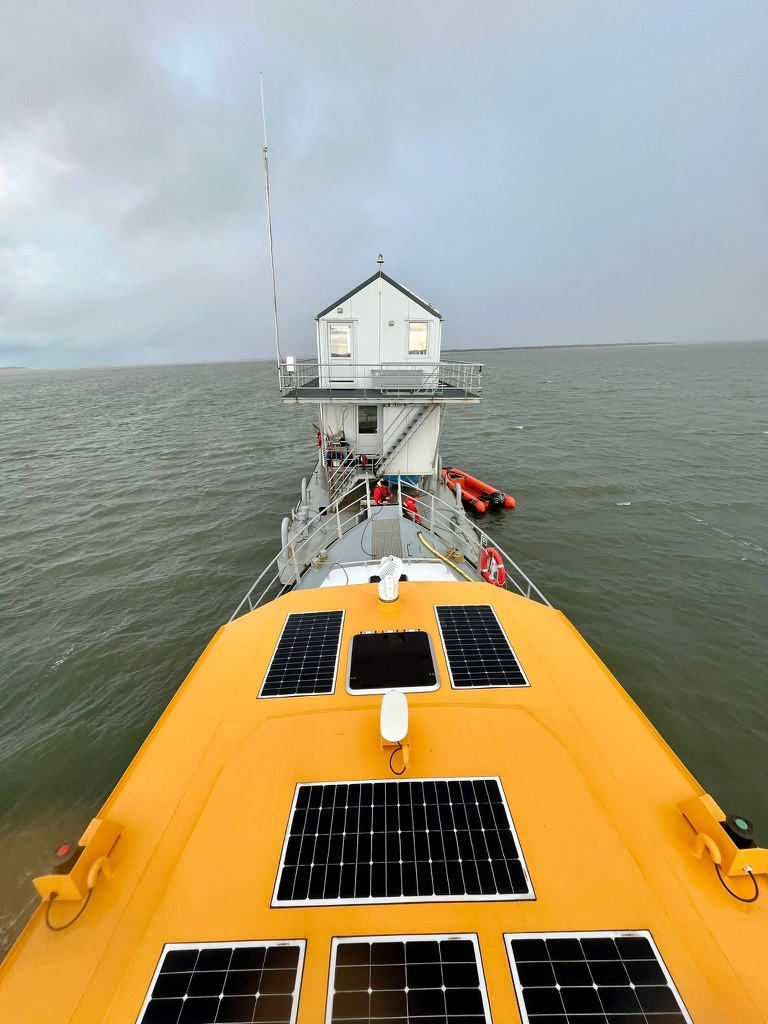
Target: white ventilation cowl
(389, 572)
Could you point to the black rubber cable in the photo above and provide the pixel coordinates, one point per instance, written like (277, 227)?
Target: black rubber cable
(346, 577)
(741, 899)
(62, 927)
(398, 747)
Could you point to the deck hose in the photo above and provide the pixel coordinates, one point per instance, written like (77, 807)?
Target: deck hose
(453, 553)
(444, 558)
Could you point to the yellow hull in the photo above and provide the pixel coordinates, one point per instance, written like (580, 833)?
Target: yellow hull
(593, 790)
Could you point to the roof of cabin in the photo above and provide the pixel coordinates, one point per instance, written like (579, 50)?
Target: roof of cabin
(592, 788)
(389, 280)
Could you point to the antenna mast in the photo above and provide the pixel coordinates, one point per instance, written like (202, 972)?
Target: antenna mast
(269, 219)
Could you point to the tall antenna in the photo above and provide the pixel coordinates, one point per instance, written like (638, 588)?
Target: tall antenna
(269, 219)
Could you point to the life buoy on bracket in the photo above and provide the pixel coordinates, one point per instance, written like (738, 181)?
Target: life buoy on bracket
(492, 567)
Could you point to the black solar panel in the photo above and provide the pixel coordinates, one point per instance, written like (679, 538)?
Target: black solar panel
(476, 647)
(421, 979)
(225, 983)
(569, 978)
(401, 841)
(306, 656)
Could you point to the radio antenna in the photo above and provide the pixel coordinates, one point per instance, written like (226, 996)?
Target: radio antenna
(269, 219)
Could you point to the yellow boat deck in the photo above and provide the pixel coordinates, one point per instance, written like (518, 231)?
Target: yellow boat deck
(592, 789)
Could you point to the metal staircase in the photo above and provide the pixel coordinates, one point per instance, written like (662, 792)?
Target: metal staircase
(414, 415)
(403, 427)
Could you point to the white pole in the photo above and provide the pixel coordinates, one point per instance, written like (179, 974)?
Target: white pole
(269, 220)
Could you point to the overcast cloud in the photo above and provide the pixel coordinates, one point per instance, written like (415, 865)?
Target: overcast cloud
(544, 172)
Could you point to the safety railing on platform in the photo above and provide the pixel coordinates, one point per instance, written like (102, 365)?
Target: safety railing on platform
(341, 479)
(462, 540)
(445, 380)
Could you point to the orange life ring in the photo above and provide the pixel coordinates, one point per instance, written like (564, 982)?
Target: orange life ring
(492, 567)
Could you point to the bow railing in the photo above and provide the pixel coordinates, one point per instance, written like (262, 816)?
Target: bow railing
(461, 540)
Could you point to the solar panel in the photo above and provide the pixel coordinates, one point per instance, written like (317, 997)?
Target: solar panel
(476, 647)
(572, 977)
(424, 979)
(306, 656)
(225, 983)
(400, 841)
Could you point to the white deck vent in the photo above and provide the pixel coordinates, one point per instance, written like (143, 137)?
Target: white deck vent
(389, 572)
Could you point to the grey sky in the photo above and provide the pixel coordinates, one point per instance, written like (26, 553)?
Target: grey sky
(544, 172)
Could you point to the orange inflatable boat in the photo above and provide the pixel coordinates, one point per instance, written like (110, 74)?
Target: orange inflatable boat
(484, 492)
(454, 478)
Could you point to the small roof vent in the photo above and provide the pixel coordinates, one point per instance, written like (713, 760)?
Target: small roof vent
(390, 569)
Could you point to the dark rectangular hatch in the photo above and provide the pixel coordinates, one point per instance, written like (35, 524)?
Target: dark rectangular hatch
(391, 660)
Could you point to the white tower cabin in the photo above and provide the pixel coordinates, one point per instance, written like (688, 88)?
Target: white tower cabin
(380, 385)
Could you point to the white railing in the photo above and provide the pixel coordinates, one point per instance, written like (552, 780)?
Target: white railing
(342, 478)
(303, 548)
(405, 380)
(463, 543)
(450, 525)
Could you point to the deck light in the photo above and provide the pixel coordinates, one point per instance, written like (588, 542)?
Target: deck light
(393, 726)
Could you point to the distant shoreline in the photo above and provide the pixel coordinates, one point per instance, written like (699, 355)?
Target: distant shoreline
(607, 344)
(490, 348)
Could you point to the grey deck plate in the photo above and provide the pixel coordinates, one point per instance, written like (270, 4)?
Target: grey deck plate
(385, 536)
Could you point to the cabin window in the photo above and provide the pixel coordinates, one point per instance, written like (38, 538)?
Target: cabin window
(417, 339)
(341, 339)
(367, 419)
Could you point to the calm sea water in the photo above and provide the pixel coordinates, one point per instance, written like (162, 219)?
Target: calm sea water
(137, 505)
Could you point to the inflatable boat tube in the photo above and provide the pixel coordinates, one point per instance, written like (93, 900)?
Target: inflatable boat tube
(484, 491)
